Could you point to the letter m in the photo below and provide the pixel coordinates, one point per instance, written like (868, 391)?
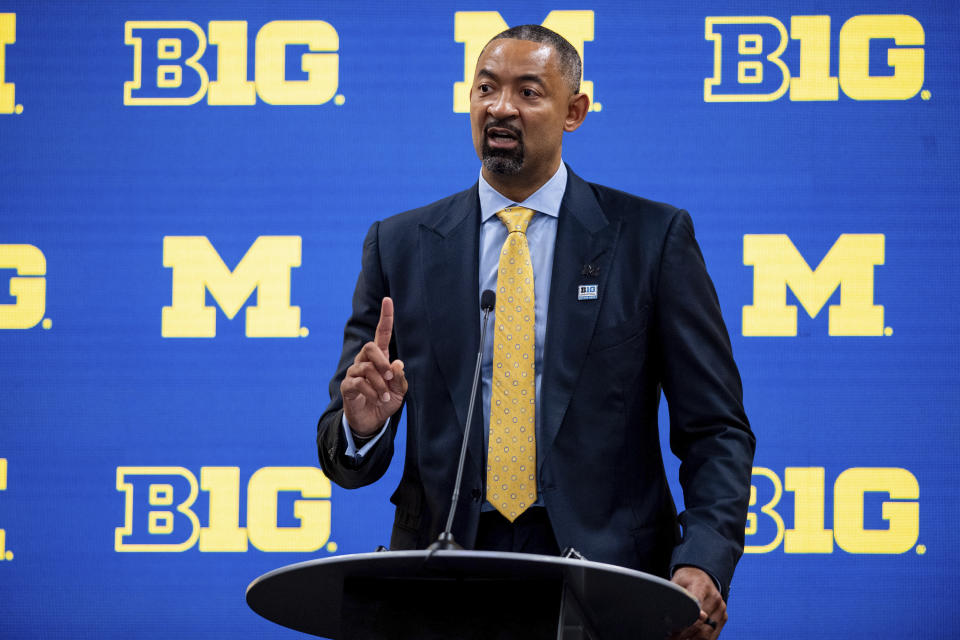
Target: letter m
(197, 267)
(475, 28)
(848, 265)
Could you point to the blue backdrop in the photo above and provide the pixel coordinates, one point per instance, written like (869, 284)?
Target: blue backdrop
(183, 195)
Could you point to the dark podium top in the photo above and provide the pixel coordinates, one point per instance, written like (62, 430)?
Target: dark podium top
(464, 594)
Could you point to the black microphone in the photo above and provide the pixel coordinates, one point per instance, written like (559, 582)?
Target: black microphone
(488, 300)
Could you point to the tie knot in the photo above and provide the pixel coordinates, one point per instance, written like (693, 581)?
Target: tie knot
(515, 218)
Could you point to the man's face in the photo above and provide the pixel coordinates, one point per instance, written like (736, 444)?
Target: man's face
(518, 108)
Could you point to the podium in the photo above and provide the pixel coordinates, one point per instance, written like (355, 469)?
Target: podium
(470, 594)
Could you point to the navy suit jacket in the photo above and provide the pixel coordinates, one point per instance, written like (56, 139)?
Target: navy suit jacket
(656, 324)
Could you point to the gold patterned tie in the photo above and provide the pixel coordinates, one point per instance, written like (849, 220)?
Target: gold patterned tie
(512, 450)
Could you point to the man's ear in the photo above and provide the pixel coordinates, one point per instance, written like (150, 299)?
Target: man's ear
(576, 111)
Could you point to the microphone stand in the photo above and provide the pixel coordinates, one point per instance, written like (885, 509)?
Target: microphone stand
(445, 541)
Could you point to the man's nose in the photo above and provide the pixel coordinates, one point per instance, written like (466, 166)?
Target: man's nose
(502, 107)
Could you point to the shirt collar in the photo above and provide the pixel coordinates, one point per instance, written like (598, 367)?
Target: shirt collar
(546, 199)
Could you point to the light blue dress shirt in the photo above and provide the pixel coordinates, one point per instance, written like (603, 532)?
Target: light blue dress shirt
(541, 238)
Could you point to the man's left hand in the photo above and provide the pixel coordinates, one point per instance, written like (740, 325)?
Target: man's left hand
(712, 606)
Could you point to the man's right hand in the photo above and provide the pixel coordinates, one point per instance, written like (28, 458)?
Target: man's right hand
(374, 387)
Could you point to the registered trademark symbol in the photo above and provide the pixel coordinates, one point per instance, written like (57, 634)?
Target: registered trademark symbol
(18, 109)
(304, 332)
(339, 99)
(332, 547)
(596, 106)
(921, 549)
(925, 95)
(888, 331)
(47, 323)
(8, 555)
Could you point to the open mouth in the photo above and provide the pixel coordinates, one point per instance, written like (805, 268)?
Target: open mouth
(502, 137)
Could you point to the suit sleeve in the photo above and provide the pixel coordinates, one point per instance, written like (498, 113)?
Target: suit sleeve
(346, 471)
(709, 431)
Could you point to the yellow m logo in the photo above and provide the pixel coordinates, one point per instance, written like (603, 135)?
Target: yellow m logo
(777, 265)
(475, 28)
(197, 267)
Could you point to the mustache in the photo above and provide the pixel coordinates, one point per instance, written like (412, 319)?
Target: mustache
(503, 124)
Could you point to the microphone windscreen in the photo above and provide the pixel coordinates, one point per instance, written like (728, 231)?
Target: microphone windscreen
(488, 300)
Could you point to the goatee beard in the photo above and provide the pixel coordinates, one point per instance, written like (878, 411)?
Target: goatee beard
(507, 162)
(503, 161)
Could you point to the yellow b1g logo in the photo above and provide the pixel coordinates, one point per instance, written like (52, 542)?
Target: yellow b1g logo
(747, 64)
(857, 527)
(167, 69)
(28, 287)
(8, 35)
(160, 514)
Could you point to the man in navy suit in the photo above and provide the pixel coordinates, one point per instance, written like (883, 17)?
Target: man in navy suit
(624, 308)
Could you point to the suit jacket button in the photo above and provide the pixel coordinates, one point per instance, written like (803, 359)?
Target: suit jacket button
(475, 495)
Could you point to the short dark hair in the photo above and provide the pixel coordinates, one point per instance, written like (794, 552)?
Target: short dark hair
(569, 59)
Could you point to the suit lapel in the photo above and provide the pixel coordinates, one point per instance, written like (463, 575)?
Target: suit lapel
(585, 236)
(449, 257)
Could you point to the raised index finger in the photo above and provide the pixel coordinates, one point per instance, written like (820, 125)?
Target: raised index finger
(385, 326)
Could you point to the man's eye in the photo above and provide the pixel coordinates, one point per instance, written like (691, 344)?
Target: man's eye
(528, 93)
(483, 88)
